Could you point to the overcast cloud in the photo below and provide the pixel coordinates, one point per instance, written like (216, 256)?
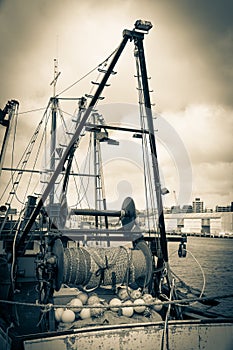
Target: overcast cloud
(189, 57)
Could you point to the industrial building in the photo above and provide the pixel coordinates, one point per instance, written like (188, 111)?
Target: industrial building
(214, 224)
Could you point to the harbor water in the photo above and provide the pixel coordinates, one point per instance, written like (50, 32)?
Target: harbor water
(208, 264)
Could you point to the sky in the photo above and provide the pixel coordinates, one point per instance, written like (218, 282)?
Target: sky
(189, 54)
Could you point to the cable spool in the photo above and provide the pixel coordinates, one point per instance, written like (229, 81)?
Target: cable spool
(91, 267)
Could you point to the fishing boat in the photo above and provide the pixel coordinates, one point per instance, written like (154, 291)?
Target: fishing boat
(89, 277)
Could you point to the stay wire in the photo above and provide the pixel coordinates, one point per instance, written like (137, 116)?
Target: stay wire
(91, 71)
(146, 161)
(81, 180)
(76, 163)
(33, 110)
(25, 152)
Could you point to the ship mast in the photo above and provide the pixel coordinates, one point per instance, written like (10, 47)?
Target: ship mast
(54, 108)
(137, 35)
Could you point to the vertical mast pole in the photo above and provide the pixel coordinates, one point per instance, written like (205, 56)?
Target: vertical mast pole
(53, 128)
(146, 94)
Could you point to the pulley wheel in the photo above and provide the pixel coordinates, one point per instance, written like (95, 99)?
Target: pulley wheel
(128, 219)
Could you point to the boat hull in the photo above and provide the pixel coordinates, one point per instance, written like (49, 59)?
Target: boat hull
(185, 335)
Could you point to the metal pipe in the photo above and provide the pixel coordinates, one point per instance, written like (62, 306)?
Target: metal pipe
(146, 94)
(93, 212)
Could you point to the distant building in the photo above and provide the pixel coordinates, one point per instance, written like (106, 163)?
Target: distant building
(198, 206)
(223, 209)
(175, 209)
(187, 209)
(212, 224)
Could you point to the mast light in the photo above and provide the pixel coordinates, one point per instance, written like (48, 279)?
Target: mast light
(143, 25)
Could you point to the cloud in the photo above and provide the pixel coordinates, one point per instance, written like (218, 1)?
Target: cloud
(206, 132)
(189, 55)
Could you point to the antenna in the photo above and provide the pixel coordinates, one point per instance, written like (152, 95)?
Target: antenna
(54, 109)
(56, 75)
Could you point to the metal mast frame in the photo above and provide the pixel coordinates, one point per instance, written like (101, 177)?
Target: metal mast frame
(128, 35)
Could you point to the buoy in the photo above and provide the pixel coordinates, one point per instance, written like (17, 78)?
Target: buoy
(123, 293)
(97, 311)
(127, 311)
(68, 316)
(58, 314)
(83, 297)
(85, 313)
(93, 299)
(148, 298)
(115, 302)
(156, 306)
(135, 294)
(139, 309)
(75, 305)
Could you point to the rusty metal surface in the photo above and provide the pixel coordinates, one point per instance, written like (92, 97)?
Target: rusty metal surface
(181, 334)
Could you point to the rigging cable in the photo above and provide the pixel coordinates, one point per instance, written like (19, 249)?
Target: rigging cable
(91, 71)
(165, 338)
(145, 148)
(81, 179)
(25, 153)
(65, 129)
(202, 271)
(35, 162)
(88, 158)
(33, 110)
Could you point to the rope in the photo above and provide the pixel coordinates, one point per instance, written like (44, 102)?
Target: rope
(33, 110)
(169, 302)
(84, 76)
(165, 338)
(202, 271)
(25, 154)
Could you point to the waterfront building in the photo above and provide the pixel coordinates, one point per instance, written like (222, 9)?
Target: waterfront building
(209, 224)
(198, 206)
(187, 209)
(222, 209)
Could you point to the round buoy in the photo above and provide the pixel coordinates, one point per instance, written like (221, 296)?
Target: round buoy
(85, 313)
(135, 294)
(127, 311)
(123, 293)
(93, 299)
(83, 297)
(96, 311)
(114, 302)
(139, 309)
(58, 314)
(68, 316)
(156, 305)
(148, 298)
(75, 305)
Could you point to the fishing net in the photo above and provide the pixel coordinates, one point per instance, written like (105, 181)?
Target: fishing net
(92, 267)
